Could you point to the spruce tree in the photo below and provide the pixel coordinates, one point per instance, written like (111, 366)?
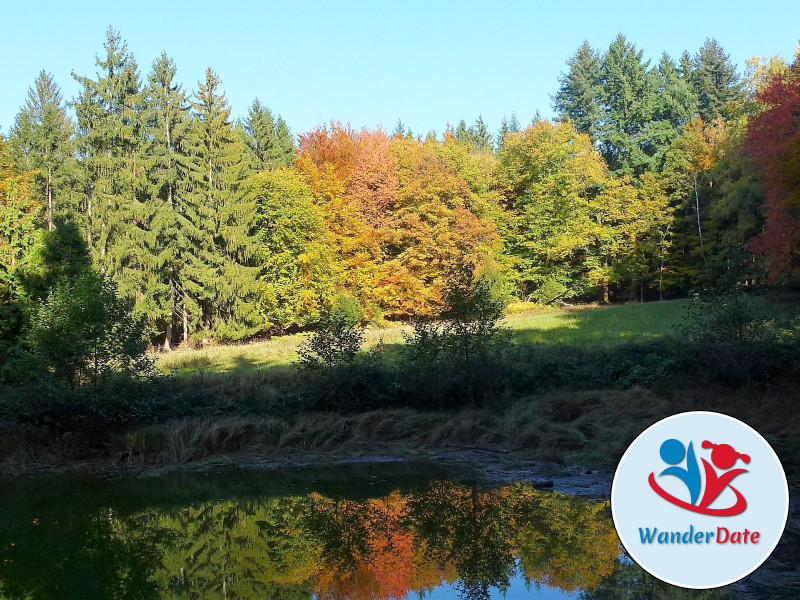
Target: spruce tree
(114, 149)
(718, 86)
(168, 163)
(224, 281)
(41, 141)
(269, 140)
(629, 100)
(580, 94)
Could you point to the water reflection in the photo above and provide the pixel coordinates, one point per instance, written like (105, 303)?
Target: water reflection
(440, 539)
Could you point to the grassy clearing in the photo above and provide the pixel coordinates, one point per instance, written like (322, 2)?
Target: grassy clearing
(578, 325)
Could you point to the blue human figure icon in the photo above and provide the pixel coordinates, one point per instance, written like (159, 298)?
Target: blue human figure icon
(672, 452)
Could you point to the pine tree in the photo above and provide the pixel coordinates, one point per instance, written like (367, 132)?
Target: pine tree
(113, 148)
(268, 139)
(223, 283)
(41, 141)
(675, 105)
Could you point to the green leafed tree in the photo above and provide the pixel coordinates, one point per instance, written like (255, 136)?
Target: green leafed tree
(41, 141)
(296, 284)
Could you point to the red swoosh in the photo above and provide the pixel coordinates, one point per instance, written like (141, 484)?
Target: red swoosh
(737, 508)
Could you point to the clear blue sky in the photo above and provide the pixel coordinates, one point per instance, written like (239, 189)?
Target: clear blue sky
(370, 63)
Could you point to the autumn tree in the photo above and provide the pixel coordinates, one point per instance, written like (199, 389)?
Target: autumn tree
(21, 216)
(773, 141)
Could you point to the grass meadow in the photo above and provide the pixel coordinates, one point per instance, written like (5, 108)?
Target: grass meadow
(580, 326)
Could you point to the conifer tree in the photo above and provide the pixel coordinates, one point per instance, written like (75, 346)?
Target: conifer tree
(41, 141)
(269, 140)
(113, 148)
(579, 97)
(716, 82)
(223, 278)
(168, 164)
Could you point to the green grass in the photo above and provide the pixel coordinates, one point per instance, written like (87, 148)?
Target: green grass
(578, 325)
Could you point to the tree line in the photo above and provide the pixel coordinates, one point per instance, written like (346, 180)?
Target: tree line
(651, 179)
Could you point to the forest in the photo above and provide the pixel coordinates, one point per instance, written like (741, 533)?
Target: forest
(142, 216)
(653, 178)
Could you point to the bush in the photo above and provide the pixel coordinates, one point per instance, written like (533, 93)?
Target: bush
(462, 358)
(337, 340)
(84, 334)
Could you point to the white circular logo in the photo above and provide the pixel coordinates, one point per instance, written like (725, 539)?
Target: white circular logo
(700, 500)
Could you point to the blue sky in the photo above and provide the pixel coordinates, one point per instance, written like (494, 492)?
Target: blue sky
(370, 63)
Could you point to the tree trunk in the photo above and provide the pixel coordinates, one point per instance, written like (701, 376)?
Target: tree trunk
(168, 336)
(185, 321)
(697, 210)
(50, 226)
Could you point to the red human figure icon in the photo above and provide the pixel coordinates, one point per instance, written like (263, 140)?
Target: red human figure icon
(724, 457)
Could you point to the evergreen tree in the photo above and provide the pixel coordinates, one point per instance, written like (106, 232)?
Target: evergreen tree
(580, 94)
(41, 141)
(269, 140)
(675, 105)
(506, 127)
(480, 135)
(114, 147)
(718, 86)
(400, 130)
(629, 100)
(224, 282)
(168, 167)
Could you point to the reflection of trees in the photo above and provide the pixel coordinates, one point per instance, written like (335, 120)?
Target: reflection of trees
(90, 556)
(292, 548)
(465, 527)
(562, 541)
(630, 581)
(239, 550)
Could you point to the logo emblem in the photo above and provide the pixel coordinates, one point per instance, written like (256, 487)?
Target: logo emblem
(699, 500)
(723, 457)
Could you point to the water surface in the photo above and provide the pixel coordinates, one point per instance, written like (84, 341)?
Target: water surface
(354, 532)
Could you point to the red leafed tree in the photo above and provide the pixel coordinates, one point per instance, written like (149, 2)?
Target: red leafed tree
(773, 140)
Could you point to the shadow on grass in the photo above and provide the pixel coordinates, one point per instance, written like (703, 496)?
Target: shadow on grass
(612, 325)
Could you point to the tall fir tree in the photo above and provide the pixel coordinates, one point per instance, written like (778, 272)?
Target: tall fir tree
(224, 282)
(113, 148)
(629, 99)
(675, 105)
(579, 96)
(718, 86)
(268, 139)
(41, 141)
(168, 123)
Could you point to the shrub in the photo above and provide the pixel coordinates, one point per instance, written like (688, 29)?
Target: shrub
(84, 334)
(462, 357)
(337, 339)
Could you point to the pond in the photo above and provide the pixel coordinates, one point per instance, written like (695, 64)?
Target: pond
(351, 532)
